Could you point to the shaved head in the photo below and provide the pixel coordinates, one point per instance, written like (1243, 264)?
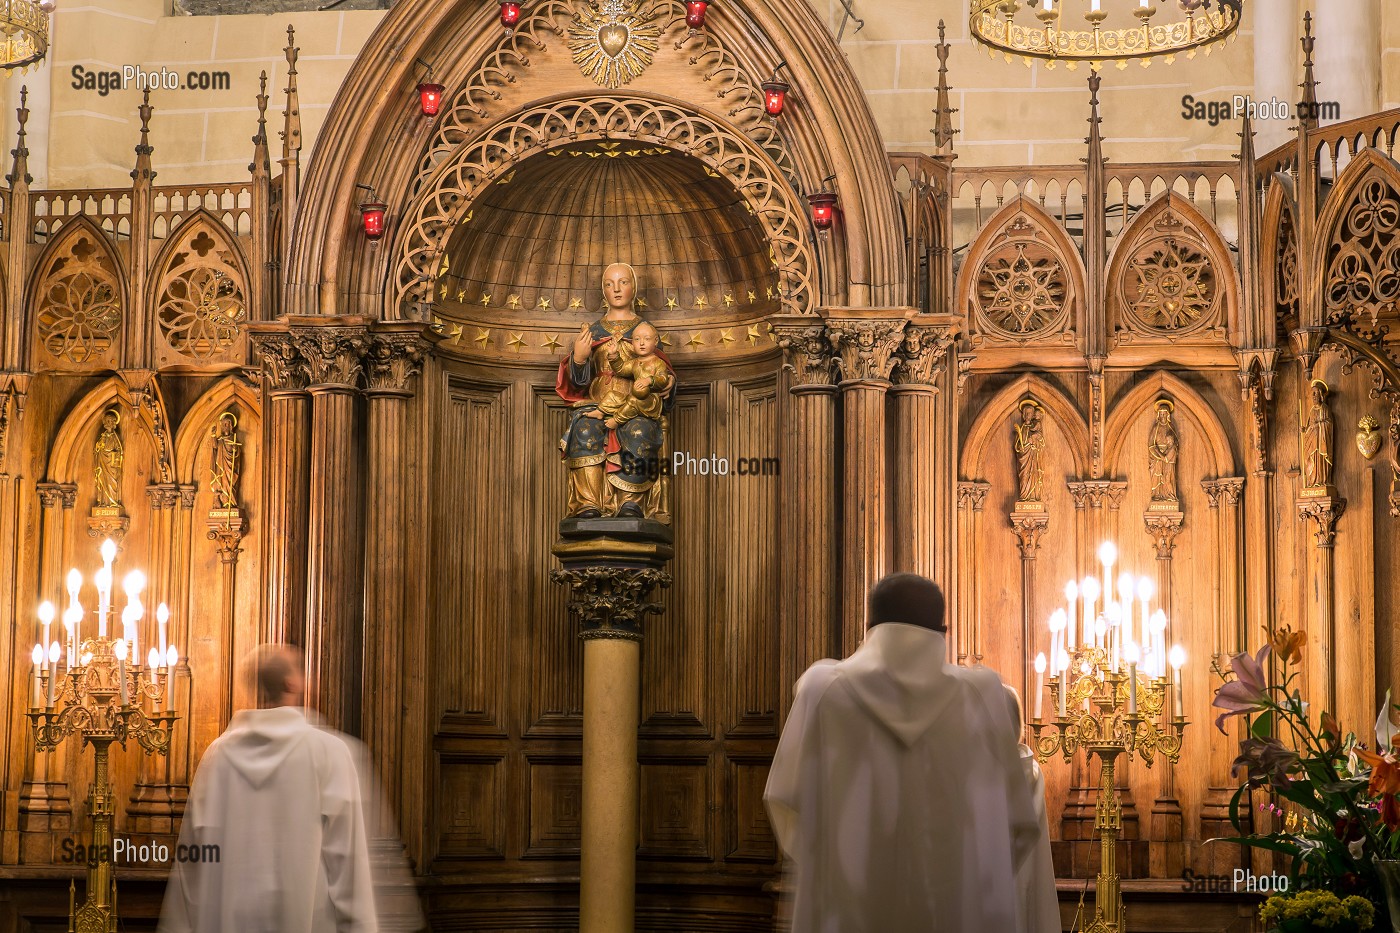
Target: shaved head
(275, 673)
(907, 598)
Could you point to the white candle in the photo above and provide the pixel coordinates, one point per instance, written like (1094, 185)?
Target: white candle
(103, 581)
(153, 661)
(1071, 596)
(1064, 690)
(46, 616)
(1039, 684)
(119, 649)
(1047, 4)
(53, 671)
(1108, 555)
(1095, 6)
(1178, 659)
(1159, 641)
(162, 617)
(1089, 590)
(1132, 655)
(38, 656)
(75, 583)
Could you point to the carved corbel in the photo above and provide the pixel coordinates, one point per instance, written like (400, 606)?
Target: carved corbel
(923, 353)
(1029, 527)
(227, 527)
(1163, 527)
(1323, 511)
(806, 350)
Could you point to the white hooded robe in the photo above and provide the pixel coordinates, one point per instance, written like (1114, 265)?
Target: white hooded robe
(281, 798)
(898, 795)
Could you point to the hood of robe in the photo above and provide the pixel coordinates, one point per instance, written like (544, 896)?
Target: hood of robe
(898, 675)
(257, 741)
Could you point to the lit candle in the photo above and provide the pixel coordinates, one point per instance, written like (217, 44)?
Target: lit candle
(1064, 689)
(1178, 659)
(1100, 631)
(1047, 5)
(162, 617)
(119, 649)
(153, 660)
(1089, 590)
(46, 616)
(53, 670)
(1094, 6)
(1071, 596)
(129, 617)
(1108, 556)
(38, 656)
(1039, 684)
(1058, 620)
(71, 616)
(75, 583)
(103, 581)
(1159, 641)
(1146, 589)
(171, 659)
(1115, 622)
(1133, 655)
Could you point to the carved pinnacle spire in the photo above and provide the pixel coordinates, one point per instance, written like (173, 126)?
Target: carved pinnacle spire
(20, 166)
(1246, 134)
(260, 157)
(291, 131)
(1094, 139)
(144, 148)
(943, 131)
(1308, 105)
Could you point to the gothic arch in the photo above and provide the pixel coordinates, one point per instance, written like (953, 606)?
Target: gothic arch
(458, 181)
(198, 295)
(830, 131)
(1188, 400)
(1279, 248)
(1180, 237)
(1358, 239)
(1056, 270)
(74, 435)
(231, 391)
(76, 306)
(999, 408)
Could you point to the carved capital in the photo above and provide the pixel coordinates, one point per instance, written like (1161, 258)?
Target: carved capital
(923, 353)
(972, 495)
(1029, 526)
(187, 497)
(334, 354)
(1229, 489)
(163, 495)
(282, 363)
(55, 494)
(806, 351)
(611, 602)
(392, 360)
(1323, 511)
(227, 527)
(1097, 493)
(965, 361)
(865, 346)
(1163, 527)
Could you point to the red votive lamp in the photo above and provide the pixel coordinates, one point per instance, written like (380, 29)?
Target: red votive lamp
(774, 96)
(510, 15)
(823, 209)
(695, 14)
(430, 98)
(372, 216)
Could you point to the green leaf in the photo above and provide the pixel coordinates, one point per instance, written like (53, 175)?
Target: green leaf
(1263, 725)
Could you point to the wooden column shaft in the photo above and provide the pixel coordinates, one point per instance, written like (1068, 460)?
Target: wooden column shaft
(863, 503)
(809, 470)
(916, 515)
(287, 474)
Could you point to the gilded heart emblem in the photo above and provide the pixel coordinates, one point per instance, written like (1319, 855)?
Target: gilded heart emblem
(1368, 439)
(613, 38)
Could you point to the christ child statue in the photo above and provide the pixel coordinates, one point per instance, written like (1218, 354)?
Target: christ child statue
(650, 379)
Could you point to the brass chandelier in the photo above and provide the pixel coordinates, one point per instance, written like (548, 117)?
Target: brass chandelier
(24, 32)
(1098, 31)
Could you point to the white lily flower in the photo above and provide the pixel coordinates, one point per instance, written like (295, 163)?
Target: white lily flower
(1385, 728)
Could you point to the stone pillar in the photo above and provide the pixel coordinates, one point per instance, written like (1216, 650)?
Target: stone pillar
(286, 484)
(865, 342)
(1276, 67)
(968, 635)
(611, 566)
(1348, 55)
(45, 809)
(335, 592)
(809, 490)
(923, 445)
(392, 547)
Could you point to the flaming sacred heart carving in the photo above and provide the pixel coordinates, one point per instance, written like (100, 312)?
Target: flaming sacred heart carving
(613, 38)
(612, 42)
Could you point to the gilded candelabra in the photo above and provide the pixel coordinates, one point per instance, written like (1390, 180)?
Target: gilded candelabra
(1112, 697)
(87, 688)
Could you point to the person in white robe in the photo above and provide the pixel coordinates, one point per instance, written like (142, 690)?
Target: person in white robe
(280, 797)
(896, 793)
(1035, 878)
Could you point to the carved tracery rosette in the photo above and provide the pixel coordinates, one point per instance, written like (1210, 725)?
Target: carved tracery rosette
(1021, 281)
(456, 184)
(1362, 279)
(78, 301)
(1169, 279)
(201, 298)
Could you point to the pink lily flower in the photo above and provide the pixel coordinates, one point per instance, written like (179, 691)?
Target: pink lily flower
(1249, 691)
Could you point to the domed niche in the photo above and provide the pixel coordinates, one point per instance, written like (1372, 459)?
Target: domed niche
(537, 241)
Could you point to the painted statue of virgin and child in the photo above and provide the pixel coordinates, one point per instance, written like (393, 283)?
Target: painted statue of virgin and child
(620, 387)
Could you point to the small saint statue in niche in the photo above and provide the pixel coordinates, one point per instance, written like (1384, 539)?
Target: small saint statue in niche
(1030, 452)
(620, 386)
(1163, 448)
(108, 459)
(1318, 437)
(224, 462)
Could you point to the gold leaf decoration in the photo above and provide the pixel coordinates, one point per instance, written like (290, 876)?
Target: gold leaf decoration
(612, 43)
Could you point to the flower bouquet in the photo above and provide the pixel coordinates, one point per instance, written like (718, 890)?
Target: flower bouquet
(1318, 910)
(1343, 832)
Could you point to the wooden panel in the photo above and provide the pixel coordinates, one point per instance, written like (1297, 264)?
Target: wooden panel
(555, 789)
(676, 651)
(750, 838)
(471, 809)
(675, 812)
(751, 607)
(552, 668)
(473, 535)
